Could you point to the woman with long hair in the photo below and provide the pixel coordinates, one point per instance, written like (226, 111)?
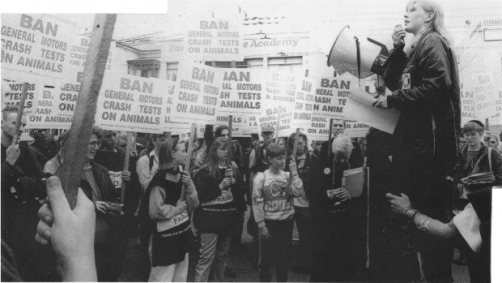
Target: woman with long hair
(424, 82)
(169, 209)
(214, 219)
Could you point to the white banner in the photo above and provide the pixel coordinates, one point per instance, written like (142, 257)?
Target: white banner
(45, 114)
(485, 95)
(331, 96)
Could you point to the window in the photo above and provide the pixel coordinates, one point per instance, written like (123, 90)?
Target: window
(146, 68)
(171, 71)
(286, 64)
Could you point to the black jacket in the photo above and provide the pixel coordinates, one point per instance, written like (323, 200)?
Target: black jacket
(430, 108)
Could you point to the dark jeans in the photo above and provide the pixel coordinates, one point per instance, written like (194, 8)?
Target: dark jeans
(303, 219)
(276, 250)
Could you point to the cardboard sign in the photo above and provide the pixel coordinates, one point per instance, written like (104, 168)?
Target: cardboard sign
(12, 96)
(35, 44)
(116, 179)
(241, 91)
(45, 115)
(485, 95)
(304, 102)
(212, 39)
(331, 96)
(197, 94)
(318, 130)
(360, 108)
(467, 104)
(131, 103)
(280, 89)
(356, 129)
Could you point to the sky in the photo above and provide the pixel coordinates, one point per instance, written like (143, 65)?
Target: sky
(369, 18)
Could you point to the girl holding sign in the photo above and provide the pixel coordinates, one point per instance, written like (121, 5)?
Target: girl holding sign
(170, 221)
(215, 218)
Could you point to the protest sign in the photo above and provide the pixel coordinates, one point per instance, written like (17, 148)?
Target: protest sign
(13, 92)
(304, 102)
(318, 129)
(356, 129)
(331, 96)
(44, 115)
(196, 95)
(131, 103)
(35, 44)
(360, 108)
(211, 39)
(485, 95)
(467, 104)
(241, 91)
(279, 100)
(239, 123)
(252, 126)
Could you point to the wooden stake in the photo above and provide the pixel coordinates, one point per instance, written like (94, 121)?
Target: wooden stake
(189, 156)
(277, 127)
(85, 109)
(229, 141)
(126, 165)
(20, 113)
(293, 156)
(330, 144)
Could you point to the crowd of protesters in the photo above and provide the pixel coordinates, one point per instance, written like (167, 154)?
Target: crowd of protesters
(441, 198)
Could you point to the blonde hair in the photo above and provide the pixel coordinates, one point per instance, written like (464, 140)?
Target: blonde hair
(437, 23)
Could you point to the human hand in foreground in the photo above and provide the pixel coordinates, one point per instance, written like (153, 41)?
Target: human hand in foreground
(126, 176)
(70, 232)
(264, 233)
(181, 206)
(380, 102)
(340, 194)
(398, 35)
(399, 204)
(101, 206)
(12, 154)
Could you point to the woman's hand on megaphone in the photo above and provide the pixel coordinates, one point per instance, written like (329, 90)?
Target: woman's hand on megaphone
(398, 35)
(381, 102)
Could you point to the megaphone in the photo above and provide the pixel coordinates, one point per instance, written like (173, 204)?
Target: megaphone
(348, 49)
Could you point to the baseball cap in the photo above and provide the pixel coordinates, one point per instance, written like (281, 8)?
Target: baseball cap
(267, 128)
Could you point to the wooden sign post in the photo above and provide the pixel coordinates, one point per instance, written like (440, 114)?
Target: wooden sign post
(126, 165)
(229, 141)
(20, 113)
(189, 156)
(85, 108)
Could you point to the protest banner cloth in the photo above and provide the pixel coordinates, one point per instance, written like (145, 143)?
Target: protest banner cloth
(196, 95)
(210, 39)
(359, 108)
(485, 95)
(45, 114)
(241, 91)
(280, 89)
(35, 44)
(131, 103)
(85, 109)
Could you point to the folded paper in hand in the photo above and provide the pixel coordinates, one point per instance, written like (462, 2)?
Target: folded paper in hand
(353, 181)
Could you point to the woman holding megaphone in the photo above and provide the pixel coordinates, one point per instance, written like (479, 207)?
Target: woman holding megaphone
(423, 79)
